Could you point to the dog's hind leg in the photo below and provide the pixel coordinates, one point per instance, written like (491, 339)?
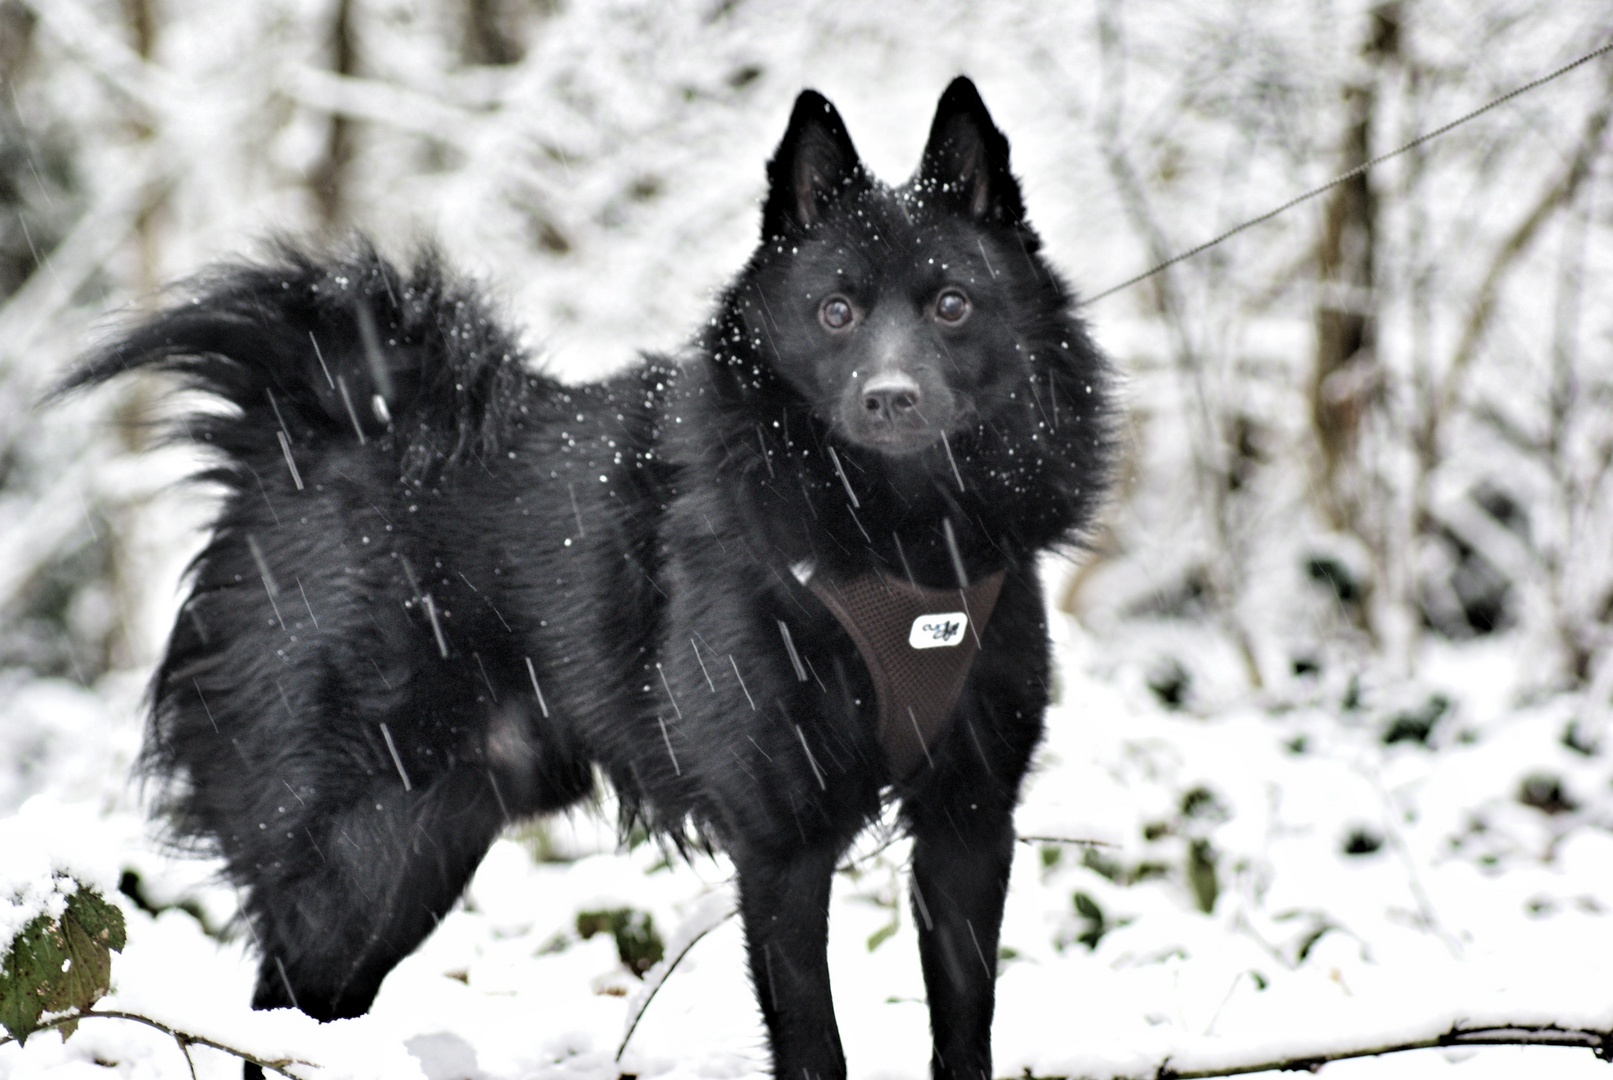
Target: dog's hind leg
(389, 868)
(392, 864)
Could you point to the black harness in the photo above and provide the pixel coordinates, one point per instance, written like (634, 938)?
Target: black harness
(918, 644)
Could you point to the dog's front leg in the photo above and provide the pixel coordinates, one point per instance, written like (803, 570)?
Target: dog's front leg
(961, 857)
(784, 900)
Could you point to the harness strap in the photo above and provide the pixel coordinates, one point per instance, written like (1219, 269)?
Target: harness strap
(918, 644)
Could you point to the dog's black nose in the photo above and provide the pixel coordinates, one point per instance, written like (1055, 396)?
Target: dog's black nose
(891, 396)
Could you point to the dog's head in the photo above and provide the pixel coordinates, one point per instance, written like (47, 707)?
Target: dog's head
(898, 314)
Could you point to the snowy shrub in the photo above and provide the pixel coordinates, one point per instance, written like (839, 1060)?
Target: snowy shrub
(60, 961)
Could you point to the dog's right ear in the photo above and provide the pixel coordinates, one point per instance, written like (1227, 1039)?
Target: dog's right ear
(815, 162)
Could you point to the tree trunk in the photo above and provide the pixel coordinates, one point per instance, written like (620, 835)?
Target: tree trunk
(1346, 368)
(328, 179)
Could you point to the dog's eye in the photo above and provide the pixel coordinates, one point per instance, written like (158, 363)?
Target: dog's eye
(835, 313)
(952, 306)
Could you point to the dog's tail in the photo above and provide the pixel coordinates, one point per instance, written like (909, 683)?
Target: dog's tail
(316, 350)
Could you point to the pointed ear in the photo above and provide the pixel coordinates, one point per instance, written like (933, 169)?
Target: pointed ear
(966, 159)
(814, 163)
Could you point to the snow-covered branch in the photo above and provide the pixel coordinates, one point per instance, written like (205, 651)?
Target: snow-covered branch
(380, 102)
(148, 89)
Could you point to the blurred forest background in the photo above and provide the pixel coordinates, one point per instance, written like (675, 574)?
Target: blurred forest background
(1338, 665)
(1383, 417)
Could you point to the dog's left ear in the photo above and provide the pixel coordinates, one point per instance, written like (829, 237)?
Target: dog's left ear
(966, 160)
(813, 166)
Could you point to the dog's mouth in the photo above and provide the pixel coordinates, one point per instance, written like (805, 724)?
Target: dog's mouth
(897, 442)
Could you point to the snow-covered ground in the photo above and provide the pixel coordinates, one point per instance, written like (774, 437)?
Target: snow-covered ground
(1213, 875)
(1470, 906)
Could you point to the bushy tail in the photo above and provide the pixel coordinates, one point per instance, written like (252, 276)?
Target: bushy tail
(312, 349)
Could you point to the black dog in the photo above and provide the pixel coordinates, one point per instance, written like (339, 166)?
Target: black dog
(763, 590)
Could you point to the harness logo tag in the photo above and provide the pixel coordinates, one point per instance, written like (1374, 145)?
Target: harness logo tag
(938, 631)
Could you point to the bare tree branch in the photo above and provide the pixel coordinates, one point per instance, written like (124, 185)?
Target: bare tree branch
(1481, 313)
(62, 272)
(1206, 429)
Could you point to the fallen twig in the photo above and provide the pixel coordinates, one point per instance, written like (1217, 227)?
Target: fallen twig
(1598, 1042)
(184, 1038)
(660, 978)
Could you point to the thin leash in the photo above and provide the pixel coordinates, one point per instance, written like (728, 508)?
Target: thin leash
(1344, 177)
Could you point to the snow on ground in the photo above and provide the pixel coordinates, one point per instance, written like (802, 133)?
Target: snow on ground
(1462, 904)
